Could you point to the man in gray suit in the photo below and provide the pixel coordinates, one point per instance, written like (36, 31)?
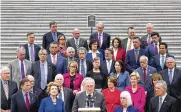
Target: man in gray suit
(76, 41)
(65, 94)
(19, 67)
(89, 98)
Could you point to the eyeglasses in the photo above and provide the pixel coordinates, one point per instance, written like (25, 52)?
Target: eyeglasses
(73, 66)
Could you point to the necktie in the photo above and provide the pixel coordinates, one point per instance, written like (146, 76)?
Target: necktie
(100, 40)
(6, 89)
(27, 102)
(22, 70)
(160, 103)
(170, 76)
(43, 81)
(32, 53)
(156, 49)
(136, 54)
(130, 44)
(77, 44)
(54, 59)
(144, 73)
(162, 62)
(55, 36)
(109, 66)
(60, 95)
(82, 68)
(149, 40)
(89, 98)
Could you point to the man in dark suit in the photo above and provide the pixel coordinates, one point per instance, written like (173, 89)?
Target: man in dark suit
(65, 94)
(36, 91)
(84, 65)
(51, 36)
(133, 56)
(76, 41)
(172, 76)
(8, 88)
(162, 102)
(153, 49)
(107, 66)
(89, 98)
(127, 43)
(70, 54)
(31, 48)
(158, 61)
(23, 100)
(54, 58)
(43, 71)
(104, 38)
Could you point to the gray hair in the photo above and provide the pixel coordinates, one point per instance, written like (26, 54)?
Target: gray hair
(59, 76)
(170, 58)
(30, 76)
(149, 24)
(89, 79)
(70, 49)
(19, 49)
(144, 58)
(83, 49)
(4, 69)
(164, 84)
(100, 23)
(41, 51)
(83, 83)
(127, 95)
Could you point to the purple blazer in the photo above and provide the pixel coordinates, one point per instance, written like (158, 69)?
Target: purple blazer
(77, 81)
(138, 98)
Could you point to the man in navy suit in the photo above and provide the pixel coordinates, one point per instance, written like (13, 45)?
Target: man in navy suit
(107, 66)
(8, 88)
(132, 56)
(23, 100)
(76, 41)
(162, 102)
(172, 76)
(51, 36)
(54, 58)
(158, 61)
(104, 38)
(83, 64)
(153, 49)
(31, 48)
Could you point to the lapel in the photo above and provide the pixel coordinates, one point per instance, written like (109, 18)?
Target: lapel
(9, 89)
(49, 58)
(148, 75)
(105, 63)
(133, 55)
(39, 69)
(22, 98)
(174, 75)
(27, 50)
(26, 66)
(50, 35)
(164, 104)
(165, 73)
(80, 42)
(72, 42)
(49, 72)
(157, 100)
(31, 99)
(103, 38)
(65, 95)
(35, 50)
(2, 90)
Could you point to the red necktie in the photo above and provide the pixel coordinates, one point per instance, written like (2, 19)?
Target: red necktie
(156, 49)
(144, 73)
(27, 102)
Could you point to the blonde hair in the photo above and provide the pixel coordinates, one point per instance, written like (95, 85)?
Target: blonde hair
(135, 74)
(50, 85)
(74, 63)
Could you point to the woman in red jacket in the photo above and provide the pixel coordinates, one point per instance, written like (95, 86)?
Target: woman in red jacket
(119, 52)
(111, 94)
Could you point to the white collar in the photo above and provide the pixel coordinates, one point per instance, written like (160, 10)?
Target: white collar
(90, 51)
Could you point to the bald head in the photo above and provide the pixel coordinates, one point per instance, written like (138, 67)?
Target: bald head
(32, 80)
(76, 33)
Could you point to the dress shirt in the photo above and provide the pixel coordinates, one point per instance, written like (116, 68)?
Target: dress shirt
(163, 97)
(161, 58)
(62, 94)
(20, 66)
(24, 96)
(100, 39)
(85, 66)
(52, 58)
(29, 50)
(129, 43)
(46, 69)
(109, 63)
(94, 54)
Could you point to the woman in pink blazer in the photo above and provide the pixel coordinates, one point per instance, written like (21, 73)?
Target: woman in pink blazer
(119, 52)
(137, 92)
(72, 79)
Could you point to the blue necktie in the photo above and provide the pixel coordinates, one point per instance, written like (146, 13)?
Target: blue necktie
(82, 68)
(170, 76)
(55, 37)
(60, 95)
(43, 81)
(162, 62)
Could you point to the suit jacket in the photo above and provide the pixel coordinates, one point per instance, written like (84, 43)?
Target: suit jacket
(18, 103)
(144, 42)
(167, 105)
(150, 52)
(90, 58)
(77, 81)
(82, 43)
(131, 63)
(48, 106)
(12, 89)
(38, 93)
(61, 64)
(121, 55)
(150, 70)
(174, 89)
(80, 101)
(104, 67)
(47, 39)
(129, 109)
(36, 50)
(16, 70)
(68, 99)
(156, 62)
(36, 72)
(106, 39)
(88, 65)
(124, 43)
